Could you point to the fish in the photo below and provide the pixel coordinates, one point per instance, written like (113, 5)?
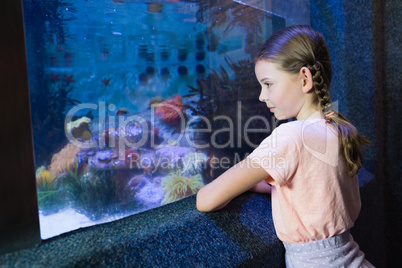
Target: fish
(122, 111)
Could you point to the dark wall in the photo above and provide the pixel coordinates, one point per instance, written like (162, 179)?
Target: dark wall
(19, 223)
(389, 86)
(364, 39)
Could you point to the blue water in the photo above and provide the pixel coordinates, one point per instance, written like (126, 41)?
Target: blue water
(103, 39)
(94, 40)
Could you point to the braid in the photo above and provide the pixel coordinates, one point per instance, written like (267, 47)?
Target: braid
(349, 138)
(321, 88)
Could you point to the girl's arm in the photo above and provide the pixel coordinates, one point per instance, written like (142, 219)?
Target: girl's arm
(243, 176)
(261, 187)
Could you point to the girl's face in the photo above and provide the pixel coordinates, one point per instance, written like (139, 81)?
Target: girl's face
(281, 91)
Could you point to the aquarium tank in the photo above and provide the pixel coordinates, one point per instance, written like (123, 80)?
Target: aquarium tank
(139, 103)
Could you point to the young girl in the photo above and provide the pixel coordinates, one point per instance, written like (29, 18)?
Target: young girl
(309, 165)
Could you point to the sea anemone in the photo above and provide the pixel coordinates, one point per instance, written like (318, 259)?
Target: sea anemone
(171, 110)
(39, 171)
(67, 157)
(177, 186)
(47, 176)
(44, 176)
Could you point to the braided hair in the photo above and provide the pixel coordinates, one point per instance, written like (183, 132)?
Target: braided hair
(321, 88)
(301, 46)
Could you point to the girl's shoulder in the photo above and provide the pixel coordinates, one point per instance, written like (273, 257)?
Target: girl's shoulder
(299, 130)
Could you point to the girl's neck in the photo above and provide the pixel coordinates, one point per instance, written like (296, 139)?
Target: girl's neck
(308, 114)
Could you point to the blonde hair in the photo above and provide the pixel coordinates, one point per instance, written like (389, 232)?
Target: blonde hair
(301, 46)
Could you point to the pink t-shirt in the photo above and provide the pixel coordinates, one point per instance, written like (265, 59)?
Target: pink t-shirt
(313, 197)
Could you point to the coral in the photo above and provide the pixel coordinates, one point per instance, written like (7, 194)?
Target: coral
(80, 128)
(105, 158)
(44, 176)
(131, 157)
(64, 159)
(92, 194)
(177, 186)
(145, 191)
(47, 176)
(171, 110)
(39, 171)
(170, 157)
(151, 195)
(194, 162)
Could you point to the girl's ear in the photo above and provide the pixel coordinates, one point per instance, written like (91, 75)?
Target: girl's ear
(307, 79)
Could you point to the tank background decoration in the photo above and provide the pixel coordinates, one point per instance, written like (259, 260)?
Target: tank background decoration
(220, 95)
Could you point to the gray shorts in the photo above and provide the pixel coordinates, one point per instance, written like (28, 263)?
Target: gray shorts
(336, 251)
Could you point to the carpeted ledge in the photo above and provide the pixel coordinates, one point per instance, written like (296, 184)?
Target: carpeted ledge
(175, 235)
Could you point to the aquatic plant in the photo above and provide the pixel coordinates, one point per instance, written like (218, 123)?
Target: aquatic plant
(49, 107)
(92, 194)
(176, 186)
(51, 198)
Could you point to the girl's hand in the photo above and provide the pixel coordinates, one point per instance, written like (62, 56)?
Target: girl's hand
(243, 176)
